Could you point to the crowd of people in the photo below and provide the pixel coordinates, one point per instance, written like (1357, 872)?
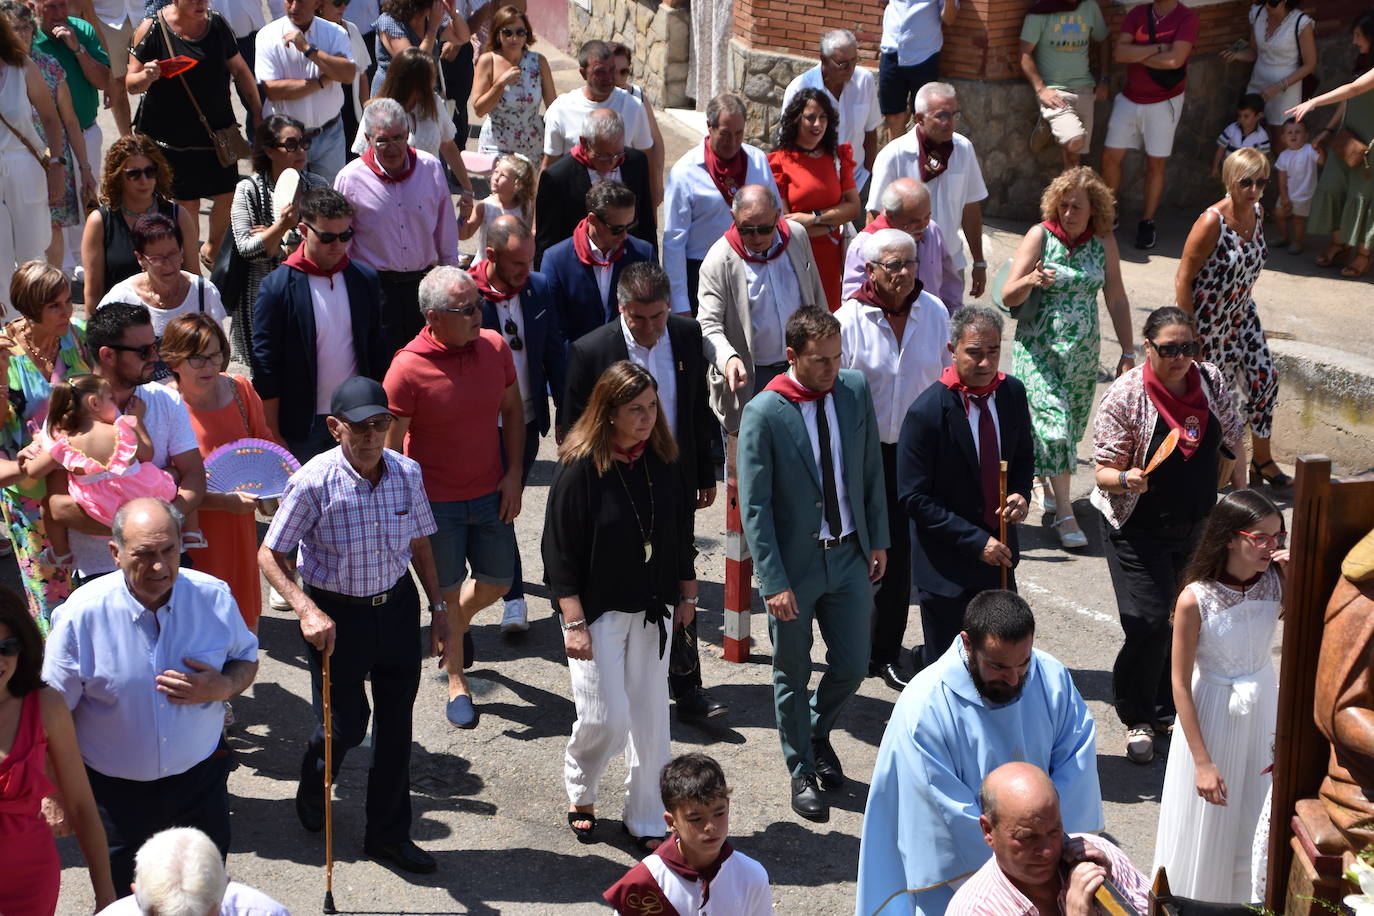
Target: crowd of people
(807, 312)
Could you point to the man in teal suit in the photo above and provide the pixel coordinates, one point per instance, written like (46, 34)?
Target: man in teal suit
(815, 515)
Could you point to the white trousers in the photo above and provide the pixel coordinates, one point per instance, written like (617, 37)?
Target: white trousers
(622, 702)
(25, 223)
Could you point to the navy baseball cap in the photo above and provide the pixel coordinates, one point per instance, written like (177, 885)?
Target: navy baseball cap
(357, 399)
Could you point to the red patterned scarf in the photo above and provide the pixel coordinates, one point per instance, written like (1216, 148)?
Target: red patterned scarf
(733, 237)
(478, 272)
(794, 390)
(728, 175)
(299, 261)
(868, 294)
(934, 156)
(1053, 228)
(950, 379)
(1188, 414)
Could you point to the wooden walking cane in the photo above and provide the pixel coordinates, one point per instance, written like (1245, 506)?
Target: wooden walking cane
(328, 796)
(1001, 518)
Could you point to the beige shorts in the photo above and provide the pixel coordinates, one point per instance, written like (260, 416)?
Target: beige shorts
(1151, 126)
(117, 46)
(1074, 121)
(1301, 207)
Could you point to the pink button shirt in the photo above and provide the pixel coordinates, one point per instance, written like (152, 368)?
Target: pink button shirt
(405, 225)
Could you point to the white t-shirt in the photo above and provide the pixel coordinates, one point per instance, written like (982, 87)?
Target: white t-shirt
(563, 120)
(960, 184)
(1300, 168)
(123, 291)
(278, 61)
(335, 357)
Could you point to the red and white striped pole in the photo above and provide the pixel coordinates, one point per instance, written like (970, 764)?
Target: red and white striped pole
(739, 565)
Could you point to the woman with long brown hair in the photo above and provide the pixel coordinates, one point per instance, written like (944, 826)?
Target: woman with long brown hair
(618, 561)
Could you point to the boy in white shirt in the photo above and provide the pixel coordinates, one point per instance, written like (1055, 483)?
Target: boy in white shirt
(1297, 168)
(1246, 130)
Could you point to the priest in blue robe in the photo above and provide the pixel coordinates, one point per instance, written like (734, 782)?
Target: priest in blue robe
(990, 699)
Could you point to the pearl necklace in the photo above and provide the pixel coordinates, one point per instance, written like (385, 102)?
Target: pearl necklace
(44, 363)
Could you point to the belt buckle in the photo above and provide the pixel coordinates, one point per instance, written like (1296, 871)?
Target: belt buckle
(827, 543)
(377, 600)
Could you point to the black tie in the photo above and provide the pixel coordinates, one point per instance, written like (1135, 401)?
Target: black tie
(831, 496)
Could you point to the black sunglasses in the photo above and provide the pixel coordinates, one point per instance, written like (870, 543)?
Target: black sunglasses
(515, 342)
(756, 230)
(1247, 183)
(293, 144)
(513, 33)
(467, 311)
(148, 171)
(1169, 351)
(9, 648)
(147, 351)
(619, 228)
(379, 424)
(328, 238)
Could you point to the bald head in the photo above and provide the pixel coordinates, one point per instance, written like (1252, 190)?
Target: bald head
(145, 512)
(1020, 821)
(1013, 787)
(903, 195)
(147, 548)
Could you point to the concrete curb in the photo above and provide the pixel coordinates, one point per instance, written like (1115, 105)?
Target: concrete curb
(1326, 402)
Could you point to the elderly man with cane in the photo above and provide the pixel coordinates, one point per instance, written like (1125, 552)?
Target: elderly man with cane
(360, 515)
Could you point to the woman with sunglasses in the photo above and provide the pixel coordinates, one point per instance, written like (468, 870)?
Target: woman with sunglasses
(41, 757)
(263, 236)
(164, 286)
(1227, 698)
(1215, 283)
(223, 408)
(136, 181)
(508, 85)
(40, 347)
(1153, 517)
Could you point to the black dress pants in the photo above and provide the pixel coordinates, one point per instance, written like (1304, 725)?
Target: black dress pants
(942, 618)
(382, 644)
(401, 318)
(893, 599)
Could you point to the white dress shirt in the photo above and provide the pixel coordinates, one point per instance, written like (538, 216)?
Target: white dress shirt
(896, 372)
(510, 310)
(857, 108)
(808, 412)
(658, 359)
(278, 61)
(602, 272)
(959, 185)
(773, 296)
(243, 16)
(696, 216)
(975, 412)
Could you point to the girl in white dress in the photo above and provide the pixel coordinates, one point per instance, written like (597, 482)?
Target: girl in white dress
(512, 192)
(1226, 694)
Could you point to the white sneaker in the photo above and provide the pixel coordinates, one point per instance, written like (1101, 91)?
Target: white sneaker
(276, 601)
(516, 617)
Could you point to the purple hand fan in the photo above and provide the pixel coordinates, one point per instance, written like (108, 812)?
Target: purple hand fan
(254, 466)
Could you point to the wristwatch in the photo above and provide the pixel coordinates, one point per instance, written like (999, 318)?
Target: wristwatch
(310, 49)
(692, 600)
(439, 607)
(980, 265)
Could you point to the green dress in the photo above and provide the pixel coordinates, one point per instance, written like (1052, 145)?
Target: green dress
(1055, 354)
(1344, 201)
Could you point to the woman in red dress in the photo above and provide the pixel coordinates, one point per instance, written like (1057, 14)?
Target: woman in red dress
(36, 734)
(815, 176)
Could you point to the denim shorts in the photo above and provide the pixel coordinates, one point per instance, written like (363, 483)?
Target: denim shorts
(897, 85)
(471, 534)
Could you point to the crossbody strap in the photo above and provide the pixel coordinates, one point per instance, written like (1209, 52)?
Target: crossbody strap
(243, 409)
(167, 37)
(42, 160)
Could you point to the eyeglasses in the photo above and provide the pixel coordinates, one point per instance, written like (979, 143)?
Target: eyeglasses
(148, 171)
(612, 158)
(389, 141)
(513, 33)
(329, 238)
(618, 228)
(147, 351)
(160, 259)
(757, 230)
(294, 144)
(1266, 541)
(946, 115)
(843, 64)
(467, 311)
(515, 342)
(1256, 183)
(376, 424)
(893, 267)
(201, 360)
(9, 648)
(1169, 351)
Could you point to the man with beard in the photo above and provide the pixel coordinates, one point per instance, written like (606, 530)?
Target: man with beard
(989, 700)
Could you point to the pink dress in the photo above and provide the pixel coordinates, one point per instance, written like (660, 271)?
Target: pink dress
(101, 489)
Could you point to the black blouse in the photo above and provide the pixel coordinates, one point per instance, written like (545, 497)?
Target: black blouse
(166, 113)
(1181, 493)
(593, 548)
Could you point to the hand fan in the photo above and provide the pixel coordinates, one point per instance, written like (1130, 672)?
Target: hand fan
(175, 66)
(254, 466)
(1166, 448)
(284, 194)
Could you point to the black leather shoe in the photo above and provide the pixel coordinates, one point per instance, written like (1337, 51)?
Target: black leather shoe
(697, 704)
(310, 808)
(829, 773)
(403, 854)
(892, 676)
(807, 800)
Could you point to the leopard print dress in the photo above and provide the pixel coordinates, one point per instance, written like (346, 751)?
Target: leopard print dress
(1228, 321)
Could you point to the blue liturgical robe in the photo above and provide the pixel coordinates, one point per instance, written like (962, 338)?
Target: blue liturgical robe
(921, 824)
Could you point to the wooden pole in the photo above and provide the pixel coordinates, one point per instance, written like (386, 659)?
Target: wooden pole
(328, 795)
(1001, 513)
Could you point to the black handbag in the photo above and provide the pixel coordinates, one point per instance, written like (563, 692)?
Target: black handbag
(230, 273)
(1165, 79)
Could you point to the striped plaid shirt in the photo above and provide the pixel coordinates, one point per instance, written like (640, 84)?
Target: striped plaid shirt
(989, 892)
(354, 537)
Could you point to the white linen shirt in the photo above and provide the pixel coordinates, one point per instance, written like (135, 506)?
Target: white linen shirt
(857, 108)
(238, 900)
(912, 28)
(658, 359)
(773, 297)
(808, 413)
(960, 184)
(242, 16)
(896, 372)
(696, 216)
(563, 120)
(279, 61)
(117, 13)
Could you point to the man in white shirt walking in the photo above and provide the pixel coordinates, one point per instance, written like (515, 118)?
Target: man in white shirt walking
(853, 92)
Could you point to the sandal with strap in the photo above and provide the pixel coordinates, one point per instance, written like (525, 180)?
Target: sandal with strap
(583, 834)
(1330, 256)
(645, 844)
(1070, 540)
(1357, 267)
(1278, 480)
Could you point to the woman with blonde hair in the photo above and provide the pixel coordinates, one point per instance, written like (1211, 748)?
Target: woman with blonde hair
(1215, 283)
(508, 85)
(1070, 256)
(618, 561)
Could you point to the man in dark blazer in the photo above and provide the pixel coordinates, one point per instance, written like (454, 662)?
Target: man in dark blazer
(585, 269)
(601, 154)
(297, 363)
(677, 364)
(519, 304)
(947, 482)
(814, 512)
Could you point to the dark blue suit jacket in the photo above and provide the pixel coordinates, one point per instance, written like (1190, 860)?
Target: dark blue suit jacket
(939, 489)
(575, 293)
(284, 361)
(546, 349)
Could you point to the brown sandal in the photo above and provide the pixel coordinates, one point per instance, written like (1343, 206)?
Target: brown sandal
(1358, 266)
(1331, 255)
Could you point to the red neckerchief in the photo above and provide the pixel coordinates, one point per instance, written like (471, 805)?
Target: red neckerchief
(369, 158)
(672, 857)
(934, 156)
(478, 272)
(580, 155)
(868, 294)
(794, 390)
(638, 894)
(630, 455)
(1053, 228)
(582, 244)
(732, 236)
(299, 261)
(1188, 414)
(728, 176)
(950, 379)
(879, 222)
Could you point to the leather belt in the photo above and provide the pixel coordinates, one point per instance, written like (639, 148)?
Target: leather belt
(404, 276)
(314, 132)
(360, 600)
(831, 543)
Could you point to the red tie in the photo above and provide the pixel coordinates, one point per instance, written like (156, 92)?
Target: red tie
(989, 460)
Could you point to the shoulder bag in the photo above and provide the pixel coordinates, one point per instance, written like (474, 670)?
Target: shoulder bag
(230, 273)
(228, 142)
(1027, 309)
(1165, 79)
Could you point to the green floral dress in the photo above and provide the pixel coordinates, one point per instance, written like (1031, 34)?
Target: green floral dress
(1055, 354)
(22, 504)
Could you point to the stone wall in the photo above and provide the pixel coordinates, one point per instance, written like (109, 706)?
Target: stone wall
(659, 34)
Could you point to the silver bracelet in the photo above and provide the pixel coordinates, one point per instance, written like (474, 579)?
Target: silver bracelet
(575, 625)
